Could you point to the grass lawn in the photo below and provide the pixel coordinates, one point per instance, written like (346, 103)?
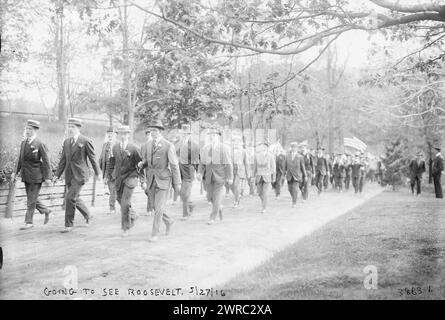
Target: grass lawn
(402, 236)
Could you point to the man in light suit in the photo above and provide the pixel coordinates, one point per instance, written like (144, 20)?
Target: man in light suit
(321, 169)
(295, 172)
(241, 166)
(76, 151)
(34, 167)
(264, 171)
(436, 172)
(125, 160)
(416, 169)
(161, 170)
(150, 204)
(188, 155)
(309, 166)
(107, 169)
(217, 165)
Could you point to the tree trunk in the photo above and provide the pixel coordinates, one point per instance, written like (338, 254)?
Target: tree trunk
(127, 71)
(60, 62)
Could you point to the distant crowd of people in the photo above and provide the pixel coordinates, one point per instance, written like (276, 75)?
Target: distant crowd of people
(159, 165)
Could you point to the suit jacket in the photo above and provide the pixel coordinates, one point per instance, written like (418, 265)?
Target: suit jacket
(280, 161)
(188, 157)
(124, 164)
(348, 169)
(216, 162)
(265, 167)
(74, 160)
(321, 165)
(339, 170)
(161, 164)
(33, 163)
(241, 164)
(104, 161)
(437, 167)
(357, 169)
(309, 164)
(416, 169)
(295, 167)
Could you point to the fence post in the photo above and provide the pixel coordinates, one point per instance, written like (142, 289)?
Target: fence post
(93, 199)
(11, 197)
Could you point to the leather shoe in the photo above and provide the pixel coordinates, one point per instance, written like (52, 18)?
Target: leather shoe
(47, 217)
(66, 230)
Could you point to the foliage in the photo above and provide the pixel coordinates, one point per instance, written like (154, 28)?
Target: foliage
(180, 82)
(396, 161)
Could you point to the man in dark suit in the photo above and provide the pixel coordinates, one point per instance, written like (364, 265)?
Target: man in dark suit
(107, 169)
(309, 166)
(34, 167)
(125, 160)
(339, 171)
(280, 162)
(416, 169)
(357, 173)
(188, 156)
(328, 177)
(321, 169)
(348, 171)
(264, 171)
(76, 151)
(216, 169)
(436, 172)
(295, 171)
(161, 171)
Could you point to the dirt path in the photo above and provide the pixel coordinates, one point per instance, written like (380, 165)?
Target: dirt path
(195, 254)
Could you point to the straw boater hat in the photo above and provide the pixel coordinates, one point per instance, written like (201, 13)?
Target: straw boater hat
(124, 129)
(75, 121)
(33, 123)
(111, 129)
(294, 144)
(437, 148)
(156, 124)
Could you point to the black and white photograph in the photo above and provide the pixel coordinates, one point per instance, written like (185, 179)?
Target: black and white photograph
(222, 152)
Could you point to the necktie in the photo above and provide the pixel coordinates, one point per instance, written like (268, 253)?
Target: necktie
(72, 141)
(153, 150)
(189, 152)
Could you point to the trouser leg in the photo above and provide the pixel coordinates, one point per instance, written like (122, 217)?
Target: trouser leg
(292, 187)
(125, 204)
(186, 188)
(32, 194)
(73, 202)
(235, 187)
(112, 198)
(217, 194)
(159, 198)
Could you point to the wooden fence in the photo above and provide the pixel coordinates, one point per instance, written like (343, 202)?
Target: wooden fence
(13, 196)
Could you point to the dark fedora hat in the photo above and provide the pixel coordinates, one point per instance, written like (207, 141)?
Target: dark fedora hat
(33, 123)
(74, 121)
(156, 124)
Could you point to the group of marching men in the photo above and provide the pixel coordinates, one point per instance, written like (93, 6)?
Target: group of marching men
(160, 165)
